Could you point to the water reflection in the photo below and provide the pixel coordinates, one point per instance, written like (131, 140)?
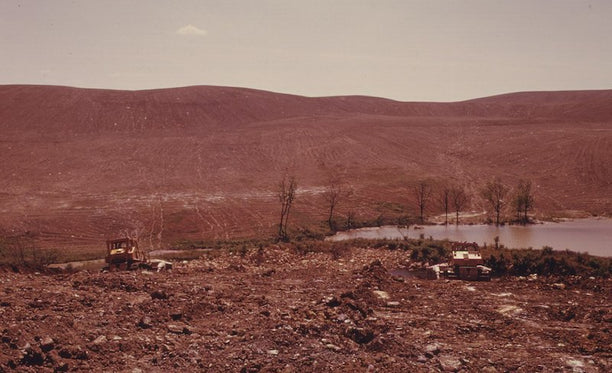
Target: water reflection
(583, 235)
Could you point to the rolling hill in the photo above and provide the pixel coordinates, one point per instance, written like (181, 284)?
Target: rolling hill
(81, 165)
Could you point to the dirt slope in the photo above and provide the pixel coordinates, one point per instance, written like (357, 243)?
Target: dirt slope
(79, 165)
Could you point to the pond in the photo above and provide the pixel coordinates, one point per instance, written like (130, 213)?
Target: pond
(593, 236)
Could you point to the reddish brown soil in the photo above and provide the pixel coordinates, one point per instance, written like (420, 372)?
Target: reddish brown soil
(280, 311)
(79, 165)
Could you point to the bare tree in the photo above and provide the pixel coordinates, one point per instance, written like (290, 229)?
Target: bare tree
(444, 198)
(335, 191)
(494, 193)
(422, 192)
(351, 219)
(286, 195)
(523, 200)
(458, 199)
(21, 250)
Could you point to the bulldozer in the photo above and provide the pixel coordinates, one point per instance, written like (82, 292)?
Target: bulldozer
(123, 253)
(466, 263)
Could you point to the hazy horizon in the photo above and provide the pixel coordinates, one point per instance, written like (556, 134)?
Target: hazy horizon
(402, 50)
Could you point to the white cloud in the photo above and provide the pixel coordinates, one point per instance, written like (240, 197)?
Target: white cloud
(191, 30)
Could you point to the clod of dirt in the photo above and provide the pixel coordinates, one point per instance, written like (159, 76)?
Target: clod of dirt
(176, 315)
(360, 335)
(159, 294)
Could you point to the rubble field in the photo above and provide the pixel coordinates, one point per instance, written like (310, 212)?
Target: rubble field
(279, 310)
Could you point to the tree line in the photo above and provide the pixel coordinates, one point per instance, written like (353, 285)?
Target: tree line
(451, 198)
(497, 195)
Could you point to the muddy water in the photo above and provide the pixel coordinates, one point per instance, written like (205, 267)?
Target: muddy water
(583, 235)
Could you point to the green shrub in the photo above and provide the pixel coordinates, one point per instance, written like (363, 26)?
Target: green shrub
(546, 262)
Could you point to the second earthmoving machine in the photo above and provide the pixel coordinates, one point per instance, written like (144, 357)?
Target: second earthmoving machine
(466, 263)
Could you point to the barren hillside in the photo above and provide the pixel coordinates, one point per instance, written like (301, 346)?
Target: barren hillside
(80, 165)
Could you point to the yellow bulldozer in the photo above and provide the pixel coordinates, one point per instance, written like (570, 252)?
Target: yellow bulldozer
(123, 253)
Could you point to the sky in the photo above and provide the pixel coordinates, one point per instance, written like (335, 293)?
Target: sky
(430, 50)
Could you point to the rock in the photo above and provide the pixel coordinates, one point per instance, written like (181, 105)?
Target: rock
(342, 317)
(333, 347)
(333, 302)
(79, 353)
(163, 265)
(393, 304)
(432, 349)
(576, 365)
(238, 332)
(449, 363)
(62, 367)
(559, 286)
(101, 339)
(272, 352)
(46, 344)
(145, 322)
(160, 264)
(509, 309)
(178, 329)
(381, 294)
